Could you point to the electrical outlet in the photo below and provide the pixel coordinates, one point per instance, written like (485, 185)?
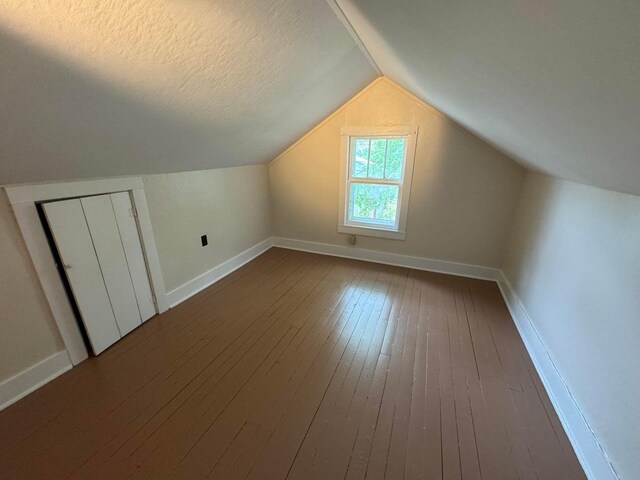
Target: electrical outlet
(204, 240)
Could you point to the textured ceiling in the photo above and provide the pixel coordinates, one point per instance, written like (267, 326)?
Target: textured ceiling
(112, 87)
(555, 84)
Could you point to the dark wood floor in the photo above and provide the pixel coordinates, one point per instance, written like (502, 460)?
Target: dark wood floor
(302, 366)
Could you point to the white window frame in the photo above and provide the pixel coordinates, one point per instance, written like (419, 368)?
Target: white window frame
(397, 231)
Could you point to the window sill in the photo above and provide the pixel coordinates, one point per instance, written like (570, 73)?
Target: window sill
(371, 232)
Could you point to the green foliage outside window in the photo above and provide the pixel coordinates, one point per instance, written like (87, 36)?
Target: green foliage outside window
(380, 159)
(374, 202)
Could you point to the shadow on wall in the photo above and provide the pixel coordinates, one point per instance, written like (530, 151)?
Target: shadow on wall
(573, 262)
(527, 238)
(222, 103)
(60, 123)
(464, 189)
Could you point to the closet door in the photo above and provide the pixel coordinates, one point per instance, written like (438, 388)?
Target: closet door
(71, 234)
(104, 231)
(132, 244)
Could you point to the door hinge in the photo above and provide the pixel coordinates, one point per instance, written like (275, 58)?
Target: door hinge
(133, 212)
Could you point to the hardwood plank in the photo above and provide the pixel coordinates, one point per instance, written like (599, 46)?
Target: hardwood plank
(290, 425)
(204, 429)
(338, 416)
(398, 389)
(465, 427)
(433, 458)
(48, 402)
(369, 418)
(302, 366)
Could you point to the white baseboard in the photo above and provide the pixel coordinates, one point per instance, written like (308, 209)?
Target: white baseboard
(20, 385)
(591, 455)
(29, 380)
(588, 449)
(189, 289)
(439, 266)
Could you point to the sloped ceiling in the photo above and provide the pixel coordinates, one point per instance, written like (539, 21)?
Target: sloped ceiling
(95, 88)
(555, 84)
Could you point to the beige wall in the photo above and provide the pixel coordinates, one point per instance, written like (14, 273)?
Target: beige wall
(574, 261)
(229, 205)
(28, 333)
(463, 196)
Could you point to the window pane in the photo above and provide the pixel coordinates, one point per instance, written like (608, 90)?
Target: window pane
(376, 159)
(373, 203)
(395, 156)
(360, 157)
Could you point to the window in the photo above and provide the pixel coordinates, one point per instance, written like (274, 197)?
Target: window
(375, 178)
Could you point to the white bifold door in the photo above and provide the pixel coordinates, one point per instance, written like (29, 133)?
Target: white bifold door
(99, 246)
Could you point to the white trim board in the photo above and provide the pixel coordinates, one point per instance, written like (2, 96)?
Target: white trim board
(589, 451)
(29, 380)
(419, 263)
(24, 200)
(76, 188)
(208, 278)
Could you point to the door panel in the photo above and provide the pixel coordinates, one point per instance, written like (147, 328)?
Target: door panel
(104, 231)
(133, 251)
(73, 240)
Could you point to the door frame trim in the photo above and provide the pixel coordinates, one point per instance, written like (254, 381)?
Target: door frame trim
(24, 200)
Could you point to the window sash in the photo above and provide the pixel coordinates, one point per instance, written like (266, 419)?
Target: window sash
(395, 181)
(376, 181)
(373, 223)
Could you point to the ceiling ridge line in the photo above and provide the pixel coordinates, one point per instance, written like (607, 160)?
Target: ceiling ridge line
(337, 9)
